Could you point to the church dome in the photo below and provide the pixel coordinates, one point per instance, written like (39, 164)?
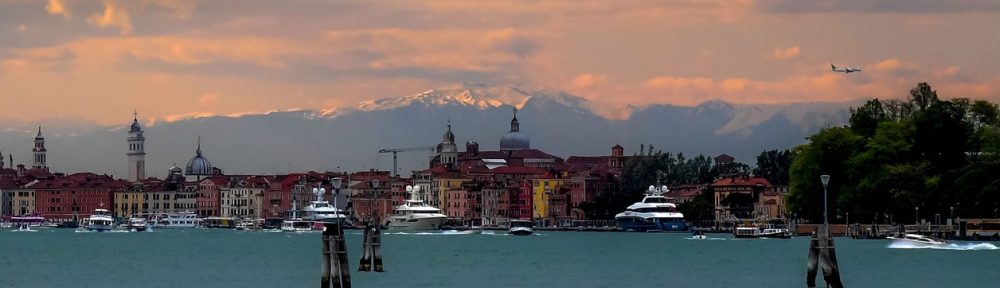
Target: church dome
(135, 127)
(514, 140)
(198, 165)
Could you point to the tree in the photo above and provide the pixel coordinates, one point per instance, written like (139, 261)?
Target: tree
(864, 120)
(825, 154)
(773, 165)
(923, 97)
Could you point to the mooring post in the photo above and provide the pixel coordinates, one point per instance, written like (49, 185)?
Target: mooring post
(336, 273)
(822, 254)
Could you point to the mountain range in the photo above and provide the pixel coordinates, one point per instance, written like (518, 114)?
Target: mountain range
(348, 138)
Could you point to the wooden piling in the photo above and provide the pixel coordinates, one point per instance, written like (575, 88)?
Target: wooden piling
(822, 255)
(336, 270)
(371, 258)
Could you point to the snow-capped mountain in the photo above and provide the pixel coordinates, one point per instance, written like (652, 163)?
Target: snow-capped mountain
(349, 137)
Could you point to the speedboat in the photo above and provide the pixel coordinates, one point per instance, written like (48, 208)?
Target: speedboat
(917, 240)
(652, 214)
(137, 224)
(24, 228)
(414, 214)
(186, 219)
(520, 228)
(775, 233)
(100, 220)
(698, 235)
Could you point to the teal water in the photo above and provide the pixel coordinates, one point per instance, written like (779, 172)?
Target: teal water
(219, 258)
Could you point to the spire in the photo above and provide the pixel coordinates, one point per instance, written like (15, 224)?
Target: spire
(199, 146)
(39, 132)
(514, 125)
(135, 115)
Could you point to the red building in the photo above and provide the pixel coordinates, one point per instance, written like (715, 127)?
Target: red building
(62, 198)
(209, 198)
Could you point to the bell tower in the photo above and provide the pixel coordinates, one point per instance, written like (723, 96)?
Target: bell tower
(136, 151)
(39, 150)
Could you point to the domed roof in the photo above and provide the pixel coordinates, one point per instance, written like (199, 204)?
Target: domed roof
(198, 165)
(135, 124)
(514, 140)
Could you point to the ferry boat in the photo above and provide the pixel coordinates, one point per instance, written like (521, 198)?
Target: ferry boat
(100, 220)
(917, 240)
(30, 220)
(320, 211)
(520, 228)
(186, 219)
(414, 214)
(652, 214)
(296, 225)
(246, 224)
(761, 232)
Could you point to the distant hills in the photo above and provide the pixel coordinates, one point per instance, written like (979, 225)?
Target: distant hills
(557, 122)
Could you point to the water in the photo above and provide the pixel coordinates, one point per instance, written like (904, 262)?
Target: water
(219, 258)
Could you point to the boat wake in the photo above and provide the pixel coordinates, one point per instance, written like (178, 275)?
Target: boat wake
(445, 232)
(952, 246)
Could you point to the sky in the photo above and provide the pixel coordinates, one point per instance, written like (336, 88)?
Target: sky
(98, 61)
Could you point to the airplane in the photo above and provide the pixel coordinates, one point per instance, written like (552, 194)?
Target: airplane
(845, 70)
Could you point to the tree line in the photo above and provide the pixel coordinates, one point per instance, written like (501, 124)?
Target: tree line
(902, 159)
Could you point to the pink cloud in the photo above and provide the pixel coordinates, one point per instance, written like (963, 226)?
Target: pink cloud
(56, 7)
(785, 54)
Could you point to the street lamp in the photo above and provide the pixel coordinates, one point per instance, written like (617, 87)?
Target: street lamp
(826, 180)
(374, 183)
(916, 215)
(952, 208)
(335, 182)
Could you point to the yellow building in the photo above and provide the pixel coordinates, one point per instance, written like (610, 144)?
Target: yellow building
(22, 202)
(542, 187)
(443, 185)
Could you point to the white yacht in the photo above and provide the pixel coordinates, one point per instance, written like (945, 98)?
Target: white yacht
(520, 228)
(320, 211)
(186, 219)
(917, 240)
(414, 214)
(653, 213)
(100, 220)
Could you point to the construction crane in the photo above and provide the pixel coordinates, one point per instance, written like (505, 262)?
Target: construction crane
(397, 150)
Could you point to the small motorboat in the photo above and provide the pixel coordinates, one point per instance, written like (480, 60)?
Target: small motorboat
(917, 240)
(775, 233)
(520, 228)
(24, 228)
(698, 235)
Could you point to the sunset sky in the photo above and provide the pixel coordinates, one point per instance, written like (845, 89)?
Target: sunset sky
(98, 60)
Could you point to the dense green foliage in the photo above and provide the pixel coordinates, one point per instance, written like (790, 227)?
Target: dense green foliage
(899, 158)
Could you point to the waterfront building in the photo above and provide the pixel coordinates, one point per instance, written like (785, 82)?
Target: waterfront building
(242, 197)
(23, 200)
(39, 151)
(735, 198)
(368, 202)
(208, 195)
(681, 194)
(771, 205)
(75, 196)
(136, 151)
(546, 187)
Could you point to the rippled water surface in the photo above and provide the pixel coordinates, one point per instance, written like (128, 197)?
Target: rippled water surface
(218, 258)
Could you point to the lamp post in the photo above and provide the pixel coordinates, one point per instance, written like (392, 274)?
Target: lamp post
(916, 215)
(374, 183)
(952, 208)
(336, 182)
(826, 180)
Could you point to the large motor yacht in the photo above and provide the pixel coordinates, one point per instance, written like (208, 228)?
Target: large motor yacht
(414, 214)
(100, 221)
(320, 211)
(651, 214)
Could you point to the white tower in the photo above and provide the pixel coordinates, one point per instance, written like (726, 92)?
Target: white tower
(447, 150)
(39, 150)
(136, 151)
